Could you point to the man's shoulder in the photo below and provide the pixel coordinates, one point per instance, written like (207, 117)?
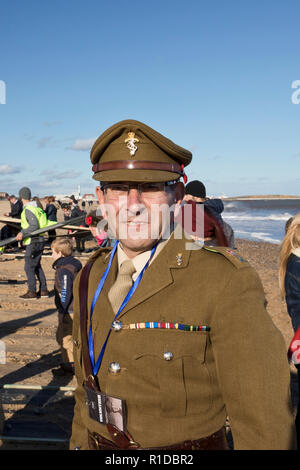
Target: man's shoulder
(224, 254)
(101, 254)
(98, 259)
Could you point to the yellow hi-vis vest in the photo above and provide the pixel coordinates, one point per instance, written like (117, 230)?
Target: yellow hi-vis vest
(41, 217)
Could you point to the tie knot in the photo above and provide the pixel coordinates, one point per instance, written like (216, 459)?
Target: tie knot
(127, 268)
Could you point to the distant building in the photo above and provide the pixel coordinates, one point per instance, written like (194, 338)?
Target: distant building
(89, 197)
(3, 195)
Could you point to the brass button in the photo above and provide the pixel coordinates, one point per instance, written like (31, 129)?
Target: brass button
(168, 356)
(114, 367)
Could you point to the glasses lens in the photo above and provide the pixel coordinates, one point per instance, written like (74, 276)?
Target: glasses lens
(149, 190)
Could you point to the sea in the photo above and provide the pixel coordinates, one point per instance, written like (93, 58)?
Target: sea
(261, 220)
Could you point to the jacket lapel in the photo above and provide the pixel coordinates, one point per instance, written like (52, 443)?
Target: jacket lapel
(101, 320)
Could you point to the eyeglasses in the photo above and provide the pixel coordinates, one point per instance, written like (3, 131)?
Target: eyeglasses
(148, 190)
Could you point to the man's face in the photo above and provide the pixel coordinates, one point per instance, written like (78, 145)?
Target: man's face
(66, 211)
(138, 214)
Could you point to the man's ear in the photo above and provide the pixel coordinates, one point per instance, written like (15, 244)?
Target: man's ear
(100, 197)
(179, 192)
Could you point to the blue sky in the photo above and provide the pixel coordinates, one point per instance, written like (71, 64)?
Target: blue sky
(215, 77)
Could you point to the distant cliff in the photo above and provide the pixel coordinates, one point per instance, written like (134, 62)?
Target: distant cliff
(266, 196)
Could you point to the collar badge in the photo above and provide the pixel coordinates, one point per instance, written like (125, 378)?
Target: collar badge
(179, 259)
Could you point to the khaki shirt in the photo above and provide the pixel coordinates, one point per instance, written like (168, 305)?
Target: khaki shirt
(237, 369)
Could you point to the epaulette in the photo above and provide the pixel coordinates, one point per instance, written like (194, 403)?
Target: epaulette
(232, 255)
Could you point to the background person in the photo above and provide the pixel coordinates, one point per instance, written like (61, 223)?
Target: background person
(38, 202)
(66, 268)
(196, 191)
(201, 224)
(288, 223)
(51, 211)
(289, 278)
(93, 221)
(70, 212)
(8, 231)
(32, 218)
(16, 207)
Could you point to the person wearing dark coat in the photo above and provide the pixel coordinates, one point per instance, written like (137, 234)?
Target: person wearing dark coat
(51, 212)
(196, 191)
(289, 279)
(66, 268)
(70, 212)
(16, 208)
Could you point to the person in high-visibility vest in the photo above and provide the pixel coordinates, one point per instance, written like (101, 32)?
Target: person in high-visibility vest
(32, 218)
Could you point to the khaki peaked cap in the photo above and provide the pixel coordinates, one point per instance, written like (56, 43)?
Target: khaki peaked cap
(132, 151)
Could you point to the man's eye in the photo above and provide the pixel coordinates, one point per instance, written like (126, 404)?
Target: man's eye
(151, 187)
(120, 188)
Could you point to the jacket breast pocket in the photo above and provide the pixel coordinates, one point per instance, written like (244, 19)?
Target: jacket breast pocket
(173, 375)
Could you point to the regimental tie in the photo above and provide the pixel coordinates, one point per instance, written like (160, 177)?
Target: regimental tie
(122, 285)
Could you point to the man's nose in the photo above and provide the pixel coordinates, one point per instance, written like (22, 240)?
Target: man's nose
(134, 204)
(133, 197)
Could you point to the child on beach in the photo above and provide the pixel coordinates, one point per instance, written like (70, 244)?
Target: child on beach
(66, 268)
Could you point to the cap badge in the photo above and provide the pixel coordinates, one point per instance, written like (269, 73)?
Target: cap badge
(131, 141)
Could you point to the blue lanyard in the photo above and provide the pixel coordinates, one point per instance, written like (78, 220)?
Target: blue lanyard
(96, 366)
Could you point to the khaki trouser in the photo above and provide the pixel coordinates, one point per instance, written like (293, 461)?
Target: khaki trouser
(64, 338)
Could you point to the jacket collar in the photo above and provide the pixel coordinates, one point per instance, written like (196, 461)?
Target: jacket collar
(61, 261)
(174, 255)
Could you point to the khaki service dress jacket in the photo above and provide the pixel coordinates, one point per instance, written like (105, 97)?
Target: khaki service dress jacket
(238, 368)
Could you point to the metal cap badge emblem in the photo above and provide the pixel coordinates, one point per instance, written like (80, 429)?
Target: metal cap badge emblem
(131, 141)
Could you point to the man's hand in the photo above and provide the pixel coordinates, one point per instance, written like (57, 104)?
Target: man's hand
(19, 236)
(6, 214)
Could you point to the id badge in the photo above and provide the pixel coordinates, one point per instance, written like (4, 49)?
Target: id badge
(106, 409)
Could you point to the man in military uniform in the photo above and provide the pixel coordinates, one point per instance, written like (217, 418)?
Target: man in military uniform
(180, 336)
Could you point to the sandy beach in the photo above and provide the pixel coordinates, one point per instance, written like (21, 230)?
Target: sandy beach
(28, 334)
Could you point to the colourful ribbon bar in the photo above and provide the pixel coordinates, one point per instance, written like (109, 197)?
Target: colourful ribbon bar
(166, 326)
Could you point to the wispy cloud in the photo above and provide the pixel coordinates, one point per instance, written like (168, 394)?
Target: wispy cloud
(216, 157)
(9, 170)
(82, 145)
(6, 181)
(52, 123)
(60, 175)
(47, 142)
(28, 136)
